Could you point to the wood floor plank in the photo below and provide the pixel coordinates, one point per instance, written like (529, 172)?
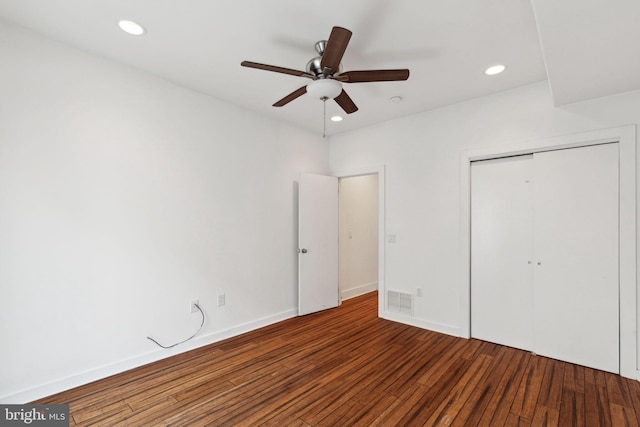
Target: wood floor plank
(497, 411)
(623, 416)
(409, 403)
(327, 398)
(598, 412)
(347, 367)
(102, 411)
(242, 400)
(572, 409)
(574, 377)
(428, 403)
(524, 403)
(514, 420)
(634, 392)
(551, 386)
(342, 415)
(311, 396)
(479, 399)
(454, 349)
(102, 416)
(151, 416)
(409, 364)
(347, 387)
(471, 348)
(617, 390)
(450, 406)
(544, 416)
(372, 409)
(593, 376)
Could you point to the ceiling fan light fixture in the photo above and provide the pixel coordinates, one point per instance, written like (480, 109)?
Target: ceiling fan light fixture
(131, 27)
(495, 69)
(324, 89)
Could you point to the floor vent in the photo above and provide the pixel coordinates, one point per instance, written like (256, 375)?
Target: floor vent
(400, 302)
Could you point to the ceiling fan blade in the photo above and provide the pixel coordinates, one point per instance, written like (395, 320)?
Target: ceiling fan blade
(293, 95)
(373, 76)
(346, 102)
(336, 45)
(276, 69)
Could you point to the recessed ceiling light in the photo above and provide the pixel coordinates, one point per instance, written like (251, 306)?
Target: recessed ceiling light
(131, 27)
(336, 118)
(495, 69)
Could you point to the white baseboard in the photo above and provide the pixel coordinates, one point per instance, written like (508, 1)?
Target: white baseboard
(358, 290)
(424, 324)
(98, 373)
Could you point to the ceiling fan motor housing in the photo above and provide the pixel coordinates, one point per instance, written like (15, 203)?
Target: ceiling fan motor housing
(314, 65)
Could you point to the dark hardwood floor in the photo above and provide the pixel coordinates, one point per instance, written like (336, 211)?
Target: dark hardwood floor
(347, 367)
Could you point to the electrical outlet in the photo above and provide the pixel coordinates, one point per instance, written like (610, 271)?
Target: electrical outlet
(193, 307)
(221, 300)
(418, 292)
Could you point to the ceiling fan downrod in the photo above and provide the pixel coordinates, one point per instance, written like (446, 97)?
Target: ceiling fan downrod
(324, 116)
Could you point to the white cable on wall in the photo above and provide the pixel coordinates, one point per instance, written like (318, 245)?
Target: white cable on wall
(197, 332)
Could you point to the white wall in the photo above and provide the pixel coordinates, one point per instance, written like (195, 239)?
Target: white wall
(358, 248)
(122, 197)
(422, 156)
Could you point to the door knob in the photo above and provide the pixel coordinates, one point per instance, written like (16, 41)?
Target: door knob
(304, 251)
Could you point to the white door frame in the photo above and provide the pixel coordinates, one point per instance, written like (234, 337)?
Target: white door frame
(372, 170)
(629, 297)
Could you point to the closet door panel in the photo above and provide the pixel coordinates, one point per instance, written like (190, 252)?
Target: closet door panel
(501, 251)
(575, 292)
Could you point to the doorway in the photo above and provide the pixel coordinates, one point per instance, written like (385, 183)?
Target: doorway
(314, 239)
(379, 173)
(358, 235)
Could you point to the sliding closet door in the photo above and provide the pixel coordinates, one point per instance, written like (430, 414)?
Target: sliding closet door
(558, 209)
(575, 293)
(502, 251)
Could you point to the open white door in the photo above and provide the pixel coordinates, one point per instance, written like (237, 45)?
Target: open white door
(317, 243)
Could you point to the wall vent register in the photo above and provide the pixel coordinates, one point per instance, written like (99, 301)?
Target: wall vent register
(400, 302)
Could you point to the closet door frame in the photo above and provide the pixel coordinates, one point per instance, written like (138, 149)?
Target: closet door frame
(625, 136)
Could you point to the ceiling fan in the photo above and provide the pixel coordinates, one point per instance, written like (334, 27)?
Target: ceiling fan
(326, 73)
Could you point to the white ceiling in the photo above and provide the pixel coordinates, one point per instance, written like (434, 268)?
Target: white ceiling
(589, 47)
